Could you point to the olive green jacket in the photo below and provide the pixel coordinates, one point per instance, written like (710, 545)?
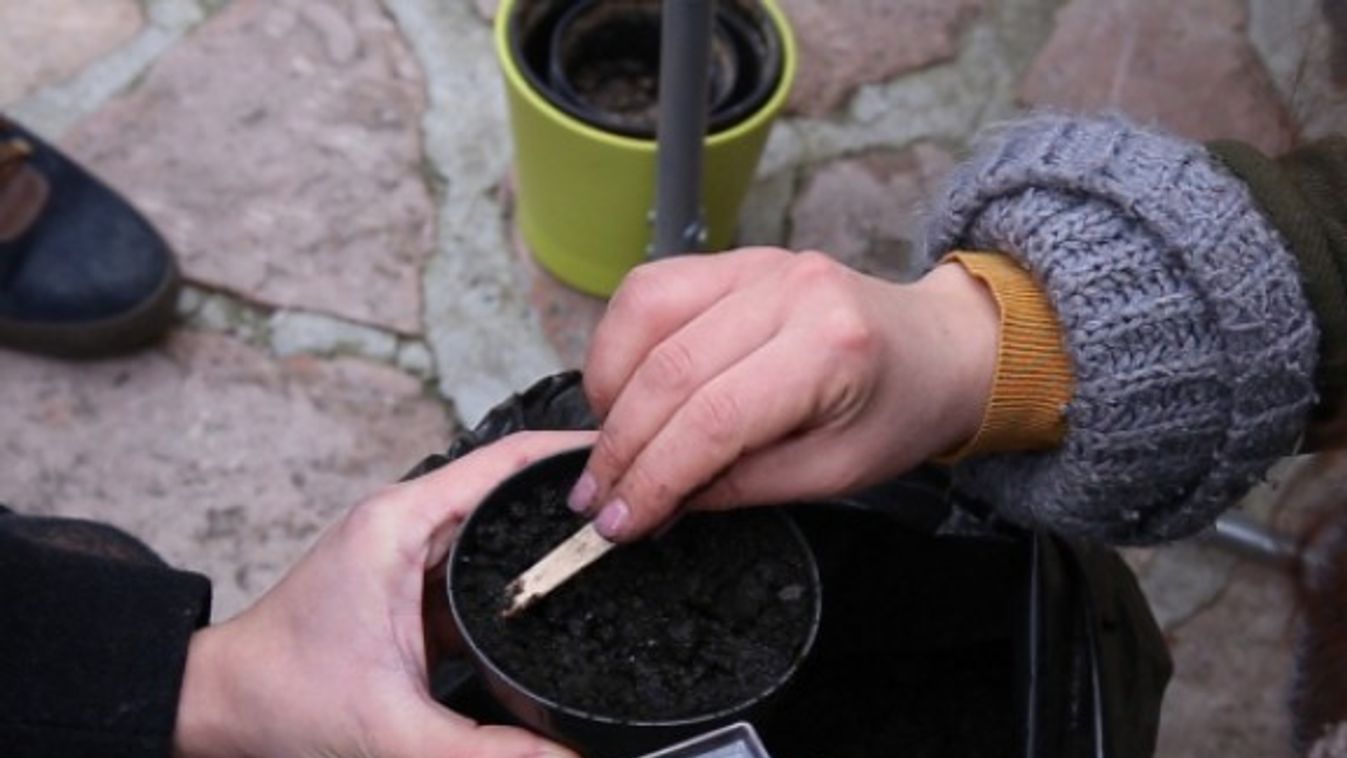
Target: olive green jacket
(1304, 193)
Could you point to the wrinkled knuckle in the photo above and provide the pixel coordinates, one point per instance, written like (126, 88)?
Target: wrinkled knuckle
(812, 269)
(645, 490)
(642, 293)
(670, 366)
(848, 334)
(373, 516)
(771, 256)
(610, 453)
(600, 392)
(717, 417)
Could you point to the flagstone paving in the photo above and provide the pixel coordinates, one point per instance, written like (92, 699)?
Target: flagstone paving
(334, 175)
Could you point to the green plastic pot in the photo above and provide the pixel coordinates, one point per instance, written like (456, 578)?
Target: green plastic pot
(584, 195)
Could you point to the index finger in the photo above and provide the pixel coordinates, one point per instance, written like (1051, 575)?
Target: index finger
(655, 301)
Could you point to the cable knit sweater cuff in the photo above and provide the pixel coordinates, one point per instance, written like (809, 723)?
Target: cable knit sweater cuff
(1191, 340)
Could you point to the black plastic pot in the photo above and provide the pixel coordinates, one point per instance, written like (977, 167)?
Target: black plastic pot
(567, 46)
(599, 734)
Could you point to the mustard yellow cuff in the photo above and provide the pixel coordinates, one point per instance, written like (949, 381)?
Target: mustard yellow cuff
(1034, 381)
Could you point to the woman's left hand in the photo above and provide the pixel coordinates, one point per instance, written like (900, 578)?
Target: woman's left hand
(332, 661)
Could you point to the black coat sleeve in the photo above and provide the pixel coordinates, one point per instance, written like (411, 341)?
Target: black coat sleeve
(93, 640)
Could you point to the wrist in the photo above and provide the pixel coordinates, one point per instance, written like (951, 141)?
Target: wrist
(204, 725)
(965, 327)
(1033, 381)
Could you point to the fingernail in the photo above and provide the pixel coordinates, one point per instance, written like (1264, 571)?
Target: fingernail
(582, 494)
(611, 518)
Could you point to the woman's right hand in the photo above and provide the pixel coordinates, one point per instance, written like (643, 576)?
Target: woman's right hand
(761, 375)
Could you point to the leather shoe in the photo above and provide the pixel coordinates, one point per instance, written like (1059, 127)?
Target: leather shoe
(82, 273)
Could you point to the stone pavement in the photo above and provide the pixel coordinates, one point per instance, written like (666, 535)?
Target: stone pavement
(334, 175)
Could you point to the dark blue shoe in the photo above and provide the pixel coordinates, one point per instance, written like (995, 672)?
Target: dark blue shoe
(82, 273)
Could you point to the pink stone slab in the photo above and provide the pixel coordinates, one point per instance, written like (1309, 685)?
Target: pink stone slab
(1187, 66)
(865, 210)
(847, 43)
(48, 41)
(1232, 665)
(224, 459)
(278, 147)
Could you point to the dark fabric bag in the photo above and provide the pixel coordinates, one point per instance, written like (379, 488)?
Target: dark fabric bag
(994, 642)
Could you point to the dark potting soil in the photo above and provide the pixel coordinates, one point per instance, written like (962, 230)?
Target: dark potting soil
(694, 622)
(626, 87)
(611, 59)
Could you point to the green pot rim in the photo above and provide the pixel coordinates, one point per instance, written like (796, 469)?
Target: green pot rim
(755, 121)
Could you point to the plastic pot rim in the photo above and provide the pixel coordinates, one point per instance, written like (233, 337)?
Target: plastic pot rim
(479, 657)
(724, 109)
(766, 112)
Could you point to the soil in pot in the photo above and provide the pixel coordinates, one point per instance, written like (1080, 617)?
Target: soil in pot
(598, 60)
(701, 620)
(605, 59)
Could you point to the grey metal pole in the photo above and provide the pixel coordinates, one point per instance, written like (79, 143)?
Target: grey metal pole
(1247, 538)
(684, 72)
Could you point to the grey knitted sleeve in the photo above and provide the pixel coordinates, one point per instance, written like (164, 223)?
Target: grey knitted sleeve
(1192, 343)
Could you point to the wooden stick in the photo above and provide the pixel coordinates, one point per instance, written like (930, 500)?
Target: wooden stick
(565, 561)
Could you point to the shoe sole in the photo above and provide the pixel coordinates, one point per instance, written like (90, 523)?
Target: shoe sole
(99, 338)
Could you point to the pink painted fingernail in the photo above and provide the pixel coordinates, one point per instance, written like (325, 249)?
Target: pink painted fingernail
(582, 494)
(611, 518)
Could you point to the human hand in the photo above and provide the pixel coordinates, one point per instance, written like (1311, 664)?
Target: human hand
(332, 661)
(761, 375)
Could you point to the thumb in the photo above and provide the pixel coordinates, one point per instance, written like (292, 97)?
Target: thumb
(436, 731)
